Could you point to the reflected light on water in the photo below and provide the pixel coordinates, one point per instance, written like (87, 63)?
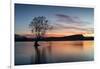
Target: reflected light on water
(53, 51)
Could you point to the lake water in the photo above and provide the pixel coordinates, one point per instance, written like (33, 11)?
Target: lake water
(53, 52)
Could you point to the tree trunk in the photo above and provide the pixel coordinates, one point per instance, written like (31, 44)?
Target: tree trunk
(36, 43)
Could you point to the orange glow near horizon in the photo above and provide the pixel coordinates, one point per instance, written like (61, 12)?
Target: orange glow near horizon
(58, 34)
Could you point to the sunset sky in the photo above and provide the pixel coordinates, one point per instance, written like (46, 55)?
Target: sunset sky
(65, 20)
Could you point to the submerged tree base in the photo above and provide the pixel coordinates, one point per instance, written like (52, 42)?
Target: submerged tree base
(36, 43)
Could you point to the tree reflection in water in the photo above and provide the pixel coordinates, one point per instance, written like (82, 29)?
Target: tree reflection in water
(42, 52)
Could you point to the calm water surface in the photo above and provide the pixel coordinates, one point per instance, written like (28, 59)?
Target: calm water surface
(53, 52)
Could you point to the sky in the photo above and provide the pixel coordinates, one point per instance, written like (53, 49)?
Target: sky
(65, 20)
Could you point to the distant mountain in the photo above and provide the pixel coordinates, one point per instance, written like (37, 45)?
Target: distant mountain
(20, 38)
(65, 38)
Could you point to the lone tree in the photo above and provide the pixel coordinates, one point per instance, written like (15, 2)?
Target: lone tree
(39, 26)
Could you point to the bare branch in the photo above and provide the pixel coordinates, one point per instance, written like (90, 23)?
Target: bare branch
(39, 26)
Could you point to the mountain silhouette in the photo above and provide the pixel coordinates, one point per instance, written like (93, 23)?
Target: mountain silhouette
(65, 38)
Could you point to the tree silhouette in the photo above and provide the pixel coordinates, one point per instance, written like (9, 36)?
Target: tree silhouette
(39, 26)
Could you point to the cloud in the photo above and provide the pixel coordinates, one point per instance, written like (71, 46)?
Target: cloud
(72, 27)
(68, 19)
(71, 24)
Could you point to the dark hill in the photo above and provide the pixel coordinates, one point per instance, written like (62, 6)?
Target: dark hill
(65, 38)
